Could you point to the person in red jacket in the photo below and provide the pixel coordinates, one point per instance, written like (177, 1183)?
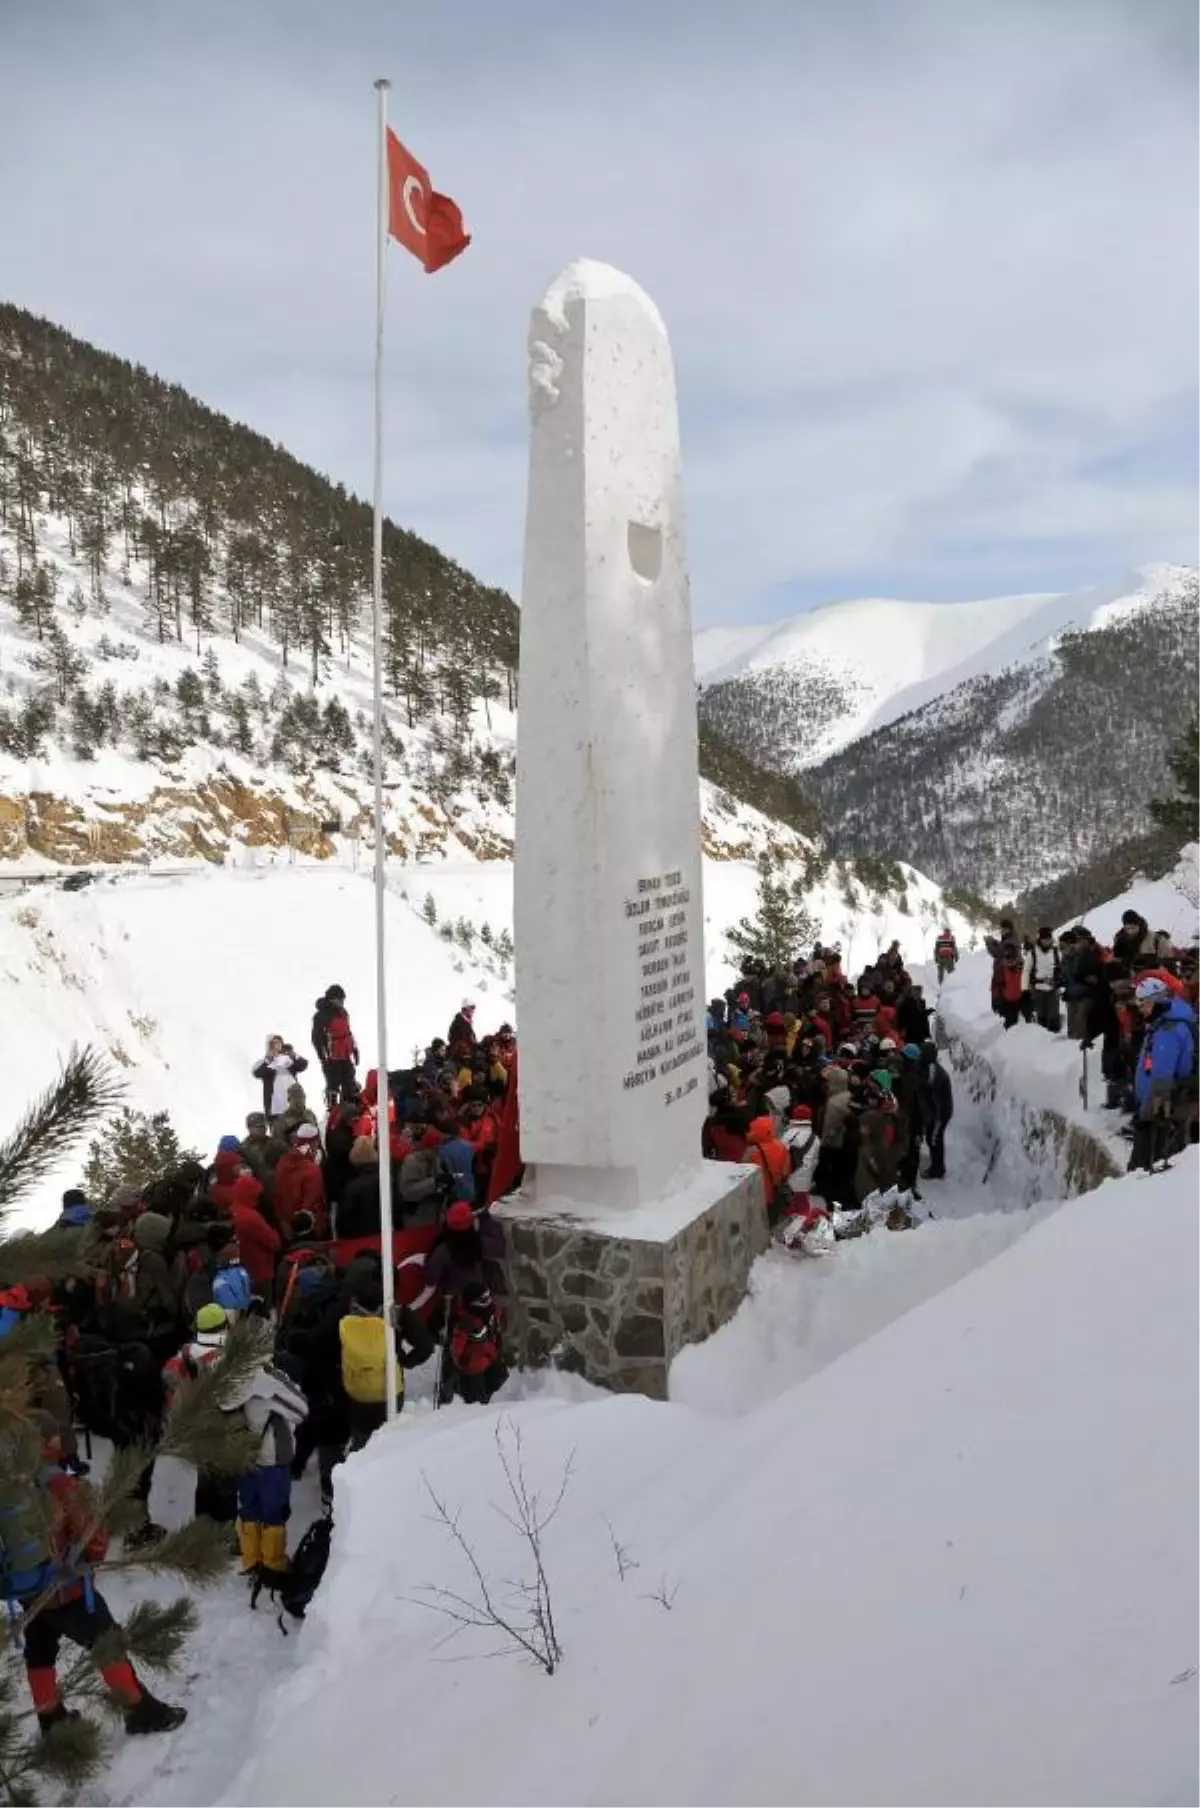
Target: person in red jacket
(298, 1182)
(54, 1586)
(227, 1166)
(259, 1243)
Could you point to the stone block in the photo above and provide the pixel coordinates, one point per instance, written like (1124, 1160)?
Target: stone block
(618, 1307)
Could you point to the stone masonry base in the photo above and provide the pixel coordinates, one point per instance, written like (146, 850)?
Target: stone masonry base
(616, 1295)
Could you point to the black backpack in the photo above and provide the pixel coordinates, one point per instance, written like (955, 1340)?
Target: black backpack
(296, 1586)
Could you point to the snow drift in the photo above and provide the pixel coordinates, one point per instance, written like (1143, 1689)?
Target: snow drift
(958, 1565)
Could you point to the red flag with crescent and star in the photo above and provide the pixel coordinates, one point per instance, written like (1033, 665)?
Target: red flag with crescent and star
(426, 223)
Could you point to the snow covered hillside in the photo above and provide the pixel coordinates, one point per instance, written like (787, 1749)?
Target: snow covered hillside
(957, 1565)
(180, 978)
(834, 674)
(1036, 769)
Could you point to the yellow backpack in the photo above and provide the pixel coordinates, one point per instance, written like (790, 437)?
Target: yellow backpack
(365, 1341)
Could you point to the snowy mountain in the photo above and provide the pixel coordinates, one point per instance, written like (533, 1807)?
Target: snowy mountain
(978, 741)
(796, 692)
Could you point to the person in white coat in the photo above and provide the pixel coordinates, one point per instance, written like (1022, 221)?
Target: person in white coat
(1044, 980)
(277, 1070)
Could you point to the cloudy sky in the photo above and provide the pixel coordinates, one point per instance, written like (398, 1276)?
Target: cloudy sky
(930, 270)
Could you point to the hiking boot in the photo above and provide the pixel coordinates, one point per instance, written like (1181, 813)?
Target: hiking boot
(143, 1535)
(58, 1715)
(149, 1715)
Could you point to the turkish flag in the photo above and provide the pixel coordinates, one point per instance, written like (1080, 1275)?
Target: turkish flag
(427, 224)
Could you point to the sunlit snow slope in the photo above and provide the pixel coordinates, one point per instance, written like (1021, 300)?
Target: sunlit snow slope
(956, 1566)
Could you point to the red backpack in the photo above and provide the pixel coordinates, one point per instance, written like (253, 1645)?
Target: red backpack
(339, 1039)
(1012, 984)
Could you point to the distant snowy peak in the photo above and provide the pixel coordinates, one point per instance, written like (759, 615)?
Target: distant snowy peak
(835, 673)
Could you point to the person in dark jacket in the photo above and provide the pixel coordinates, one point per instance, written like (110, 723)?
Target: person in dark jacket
(333, 1040)
(461, 1035)
(76, 1213)
(912, 1016)
(358, 1213)
(467, 1242)
(940, 1107)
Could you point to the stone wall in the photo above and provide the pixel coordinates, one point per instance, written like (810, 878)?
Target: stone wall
(617, 1303)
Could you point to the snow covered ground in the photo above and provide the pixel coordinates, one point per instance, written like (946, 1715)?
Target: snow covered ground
(956, 1565)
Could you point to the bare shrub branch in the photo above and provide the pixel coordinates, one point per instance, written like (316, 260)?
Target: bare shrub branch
(524, 1613)
(621, 1556)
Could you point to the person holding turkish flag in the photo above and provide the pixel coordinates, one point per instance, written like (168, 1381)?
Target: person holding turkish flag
(426, 223)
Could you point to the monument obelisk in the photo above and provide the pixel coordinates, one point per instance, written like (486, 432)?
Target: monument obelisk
(624, 1244)
(608, 917)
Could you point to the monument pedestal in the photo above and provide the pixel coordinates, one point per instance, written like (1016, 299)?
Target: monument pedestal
(616, 1295)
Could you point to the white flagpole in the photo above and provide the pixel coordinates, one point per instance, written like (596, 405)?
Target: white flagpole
(383, 1097)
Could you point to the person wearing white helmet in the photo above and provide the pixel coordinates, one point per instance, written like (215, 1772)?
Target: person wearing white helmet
(1164, 1082)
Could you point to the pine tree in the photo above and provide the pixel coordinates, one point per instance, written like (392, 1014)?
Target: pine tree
(1177, 815)
(210, 672)
(135, 1147)
(152, 1636)
(782, 925)
(57, 660)
(241, 732)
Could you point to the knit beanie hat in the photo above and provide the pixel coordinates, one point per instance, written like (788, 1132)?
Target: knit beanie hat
(460, 1216)
(305, 1132)
(228, 1143)
(363, 1153)
(211, 1318)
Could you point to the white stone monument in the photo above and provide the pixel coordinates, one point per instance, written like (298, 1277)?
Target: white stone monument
(608, 918)
(609, 925)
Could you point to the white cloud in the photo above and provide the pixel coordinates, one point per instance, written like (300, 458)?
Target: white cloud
(897, 247)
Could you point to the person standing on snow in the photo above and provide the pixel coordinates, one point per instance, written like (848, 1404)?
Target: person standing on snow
(55, 1590)
(939, 1094)
(945, 954)
(277, 1069)
(1043, 980)
(334, 1042)
(1164, 1081)
(461, 1036)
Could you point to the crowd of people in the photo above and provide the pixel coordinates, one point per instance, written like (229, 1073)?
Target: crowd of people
(284, 1225)
(1136, 998)
(833, 1088)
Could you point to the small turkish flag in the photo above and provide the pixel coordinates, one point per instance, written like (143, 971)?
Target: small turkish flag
(427, 224)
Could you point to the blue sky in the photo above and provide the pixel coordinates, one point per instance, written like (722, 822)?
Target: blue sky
(930, 270)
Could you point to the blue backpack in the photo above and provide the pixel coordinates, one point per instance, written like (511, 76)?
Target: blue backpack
(231, 1288)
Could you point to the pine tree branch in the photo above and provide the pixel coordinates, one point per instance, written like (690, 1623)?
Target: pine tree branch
(83, 1094)
(198, 1431)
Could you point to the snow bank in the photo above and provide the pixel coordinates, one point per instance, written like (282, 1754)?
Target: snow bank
(1042, 1072)
(1169, 903)
(958, 1565)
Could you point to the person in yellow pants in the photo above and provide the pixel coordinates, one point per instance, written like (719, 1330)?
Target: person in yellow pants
(272, 1406)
